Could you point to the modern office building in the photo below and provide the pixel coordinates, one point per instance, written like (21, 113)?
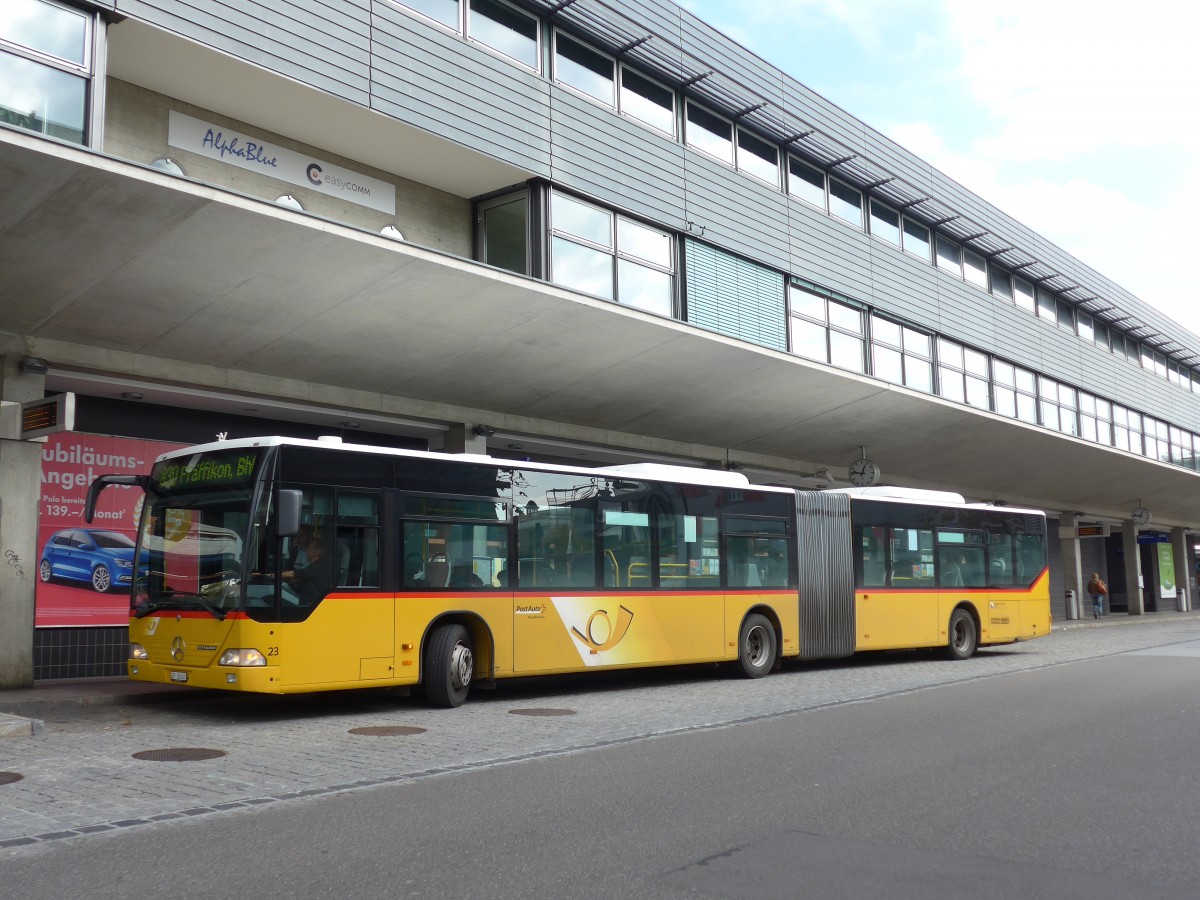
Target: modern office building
(553, 229)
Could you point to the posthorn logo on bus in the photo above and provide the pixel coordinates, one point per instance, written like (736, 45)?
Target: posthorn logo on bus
(177, 648)
(609, 636)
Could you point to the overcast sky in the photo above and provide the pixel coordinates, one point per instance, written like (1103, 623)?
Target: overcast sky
(1079, 119)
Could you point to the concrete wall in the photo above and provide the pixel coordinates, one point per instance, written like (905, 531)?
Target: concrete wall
(20, 486)
(136, 129)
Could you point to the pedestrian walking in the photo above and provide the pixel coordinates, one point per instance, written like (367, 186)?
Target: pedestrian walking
(1098, 589)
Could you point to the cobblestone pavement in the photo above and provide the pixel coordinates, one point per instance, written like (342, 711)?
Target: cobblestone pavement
(80, 776)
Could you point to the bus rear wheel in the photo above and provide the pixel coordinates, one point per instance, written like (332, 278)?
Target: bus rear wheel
(449, 665)
(963, 635)
(756, 646)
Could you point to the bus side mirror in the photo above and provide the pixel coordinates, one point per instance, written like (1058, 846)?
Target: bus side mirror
(101, 482)
(290, 502)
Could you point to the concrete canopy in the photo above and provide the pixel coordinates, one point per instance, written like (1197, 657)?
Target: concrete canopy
(118, 258)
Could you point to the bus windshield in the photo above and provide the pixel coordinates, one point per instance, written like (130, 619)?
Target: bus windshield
(191, 546)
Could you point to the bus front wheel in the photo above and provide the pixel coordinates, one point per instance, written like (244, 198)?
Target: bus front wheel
(963, 636)
(449, 664)
(756, 646)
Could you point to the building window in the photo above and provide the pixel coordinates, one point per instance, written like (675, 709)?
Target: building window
(1182, 453)
(1131, 351)
(963, 374)
(1100, 333)
(709, 133)
(1095, 419)
(1023, 295)
(806, 183)
(45, 69)
(444, 12)
(580, 67)
(975, 269)
(598, 252)
(846, 203)
(885, 223)
(1127, 429)
(506, 30)
(503, 232)
(1158, 362)
(1059, 406)
(1064, 314)
(757, 157)
(1046, 308)
(826, 330)
(901, 355)
(1157, 436)
(949, 255)
(647, 101)
(1015, 391)
(916, 239)
(1002, 284)
(1083, 325)
(735, 297)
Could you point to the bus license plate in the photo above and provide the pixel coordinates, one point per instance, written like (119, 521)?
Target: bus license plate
(179, 676)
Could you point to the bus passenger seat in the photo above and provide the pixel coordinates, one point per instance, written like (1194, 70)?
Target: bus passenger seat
(437, 571)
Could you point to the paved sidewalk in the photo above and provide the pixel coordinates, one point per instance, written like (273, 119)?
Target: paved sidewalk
(22, 709)
(114, 755)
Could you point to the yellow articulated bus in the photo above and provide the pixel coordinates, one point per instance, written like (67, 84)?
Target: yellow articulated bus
(283, 566)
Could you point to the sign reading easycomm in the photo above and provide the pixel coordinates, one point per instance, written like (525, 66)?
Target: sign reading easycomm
(236, 149)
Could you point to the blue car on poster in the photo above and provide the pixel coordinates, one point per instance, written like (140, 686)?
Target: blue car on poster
(102, 558)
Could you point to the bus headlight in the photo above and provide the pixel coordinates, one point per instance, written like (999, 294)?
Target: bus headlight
(242, 657)
(137, 651)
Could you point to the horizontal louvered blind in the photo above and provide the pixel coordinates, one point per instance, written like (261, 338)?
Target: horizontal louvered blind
(735, 297)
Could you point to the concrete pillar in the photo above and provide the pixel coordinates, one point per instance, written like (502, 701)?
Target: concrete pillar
(1179, 551)
(1133, 568)
(1072, 574)
(20, 495)
(463, 439)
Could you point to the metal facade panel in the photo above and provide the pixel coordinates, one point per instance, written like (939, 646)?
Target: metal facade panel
(904, 286)
(826, 582)
(829, 252)
(323, 44)
(738, 212)
(435, 80)
(591, 151)
(730, 295)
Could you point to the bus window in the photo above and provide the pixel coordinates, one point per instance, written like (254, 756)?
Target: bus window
(757, 552)
(1031, 557)
(1000, 559)
(911, 553)
(688, 552)
(961, 558)
(625, 535)
(357, 539)
(461, 556)
(871, 562)
(556, 525)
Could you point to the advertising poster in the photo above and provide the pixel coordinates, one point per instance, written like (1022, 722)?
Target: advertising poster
(85, 571)
(1166, 571)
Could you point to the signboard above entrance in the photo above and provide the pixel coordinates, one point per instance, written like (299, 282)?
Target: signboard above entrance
(246, 152)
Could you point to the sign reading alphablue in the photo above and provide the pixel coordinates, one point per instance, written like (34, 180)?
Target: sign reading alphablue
(246, 152)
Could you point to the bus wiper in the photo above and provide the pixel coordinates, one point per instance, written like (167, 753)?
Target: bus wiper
(183, 601)
(215, 611)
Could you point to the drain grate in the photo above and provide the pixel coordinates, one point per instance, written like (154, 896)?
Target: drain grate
(10, 777)
(542, 711)
(387, 730)
(179, 754)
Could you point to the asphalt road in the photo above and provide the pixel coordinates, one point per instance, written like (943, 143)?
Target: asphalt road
(1060, 781)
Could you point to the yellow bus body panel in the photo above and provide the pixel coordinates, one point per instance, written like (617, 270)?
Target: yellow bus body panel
(895, 620)
(362, 641)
